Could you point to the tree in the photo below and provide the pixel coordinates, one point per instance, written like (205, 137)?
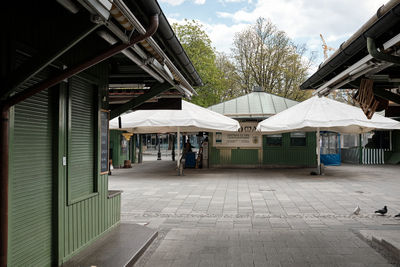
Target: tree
(267, 57)
(197, 45)
(231, 77)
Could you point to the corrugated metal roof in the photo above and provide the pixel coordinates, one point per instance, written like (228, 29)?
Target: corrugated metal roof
(253, 105)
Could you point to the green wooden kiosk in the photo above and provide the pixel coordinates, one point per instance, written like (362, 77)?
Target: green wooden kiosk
(250, 149)
(63, 78)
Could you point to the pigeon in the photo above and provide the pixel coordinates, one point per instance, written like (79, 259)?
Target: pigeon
(398, 215)
(382, 211)
(356, 210)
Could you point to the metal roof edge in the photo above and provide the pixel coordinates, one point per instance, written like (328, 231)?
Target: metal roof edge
(166, 32)
(386, 14)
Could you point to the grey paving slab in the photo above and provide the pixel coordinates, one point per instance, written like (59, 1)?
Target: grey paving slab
(259, 217)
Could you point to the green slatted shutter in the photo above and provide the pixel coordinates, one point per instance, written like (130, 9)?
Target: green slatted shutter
(81, 152)
(31, 184)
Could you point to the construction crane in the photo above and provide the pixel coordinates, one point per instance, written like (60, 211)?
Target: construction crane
(325, 47)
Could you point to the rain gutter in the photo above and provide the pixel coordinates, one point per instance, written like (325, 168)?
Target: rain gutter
(386, 17)
(166, 31)
(357, 67)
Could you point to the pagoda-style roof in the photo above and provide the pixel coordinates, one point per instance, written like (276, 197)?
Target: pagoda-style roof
(256, 105)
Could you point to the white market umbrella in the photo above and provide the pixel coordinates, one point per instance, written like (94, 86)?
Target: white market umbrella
(191, 118)
(324, 114)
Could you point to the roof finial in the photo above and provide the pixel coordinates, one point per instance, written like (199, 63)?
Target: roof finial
(257, 88)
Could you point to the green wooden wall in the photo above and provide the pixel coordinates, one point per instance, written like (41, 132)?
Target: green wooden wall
(291, 155)
(240, 157)
(396, 141)
(393, 157)
(46, 225)
(117, 156)
(82, 220)
(285, 155)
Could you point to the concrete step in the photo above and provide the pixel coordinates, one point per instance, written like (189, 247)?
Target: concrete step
(387, 241)
(120, 247)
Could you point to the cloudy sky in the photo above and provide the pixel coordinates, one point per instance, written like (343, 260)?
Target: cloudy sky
(302, 20)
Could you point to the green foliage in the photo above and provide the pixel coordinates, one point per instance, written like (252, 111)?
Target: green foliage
(261, 56)
(198, 47)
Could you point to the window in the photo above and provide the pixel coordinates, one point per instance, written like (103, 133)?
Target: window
(298, 139)
(329, 143)
(274, 140)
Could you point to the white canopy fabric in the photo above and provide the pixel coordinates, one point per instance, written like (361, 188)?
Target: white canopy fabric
(191, 118)
(324, 114)
(327, 115)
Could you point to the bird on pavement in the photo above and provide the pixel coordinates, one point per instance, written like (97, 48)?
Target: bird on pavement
(382, 211)
(356, 210)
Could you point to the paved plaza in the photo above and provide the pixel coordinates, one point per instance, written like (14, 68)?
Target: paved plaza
(259, 217)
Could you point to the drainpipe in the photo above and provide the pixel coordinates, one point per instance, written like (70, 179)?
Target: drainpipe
(19, 97)
(373, 51)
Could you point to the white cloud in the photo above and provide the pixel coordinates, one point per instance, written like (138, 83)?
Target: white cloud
(302, 18)
(179, 2)
(222, 35)
(173, 2)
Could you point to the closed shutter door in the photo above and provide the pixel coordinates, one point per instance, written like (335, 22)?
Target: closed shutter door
(81, 140)
(31, 184)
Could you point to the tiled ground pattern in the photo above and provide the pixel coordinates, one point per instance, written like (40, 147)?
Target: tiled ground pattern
(259, 217)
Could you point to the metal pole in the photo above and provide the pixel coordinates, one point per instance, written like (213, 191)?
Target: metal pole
(318, 153)
(173, 148)
(360, 159)
(140, 156)
(178, 146)
(159, 147)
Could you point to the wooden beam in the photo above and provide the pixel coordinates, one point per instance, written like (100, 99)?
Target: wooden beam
(154, 91)
(387, 95)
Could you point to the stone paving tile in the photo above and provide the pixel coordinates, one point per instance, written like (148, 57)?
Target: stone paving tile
(258, 217)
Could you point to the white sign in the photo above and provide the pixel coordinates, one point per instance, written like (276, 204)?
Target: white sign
(246, 136)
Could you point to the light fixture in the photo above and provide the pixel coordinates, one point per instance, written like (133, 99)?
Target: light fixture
(127, 136)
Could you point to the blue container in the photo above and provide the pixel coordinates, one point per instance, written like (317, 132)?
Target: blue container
(190, 160)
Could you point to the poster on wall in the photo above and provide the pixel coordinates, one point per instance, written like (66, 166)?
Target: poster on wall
(124, 145)
(104, 117)
(246, 136)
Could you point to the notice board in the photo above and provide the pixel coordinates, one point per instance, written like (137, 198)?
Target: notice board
(104, 134)
(246, 136)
